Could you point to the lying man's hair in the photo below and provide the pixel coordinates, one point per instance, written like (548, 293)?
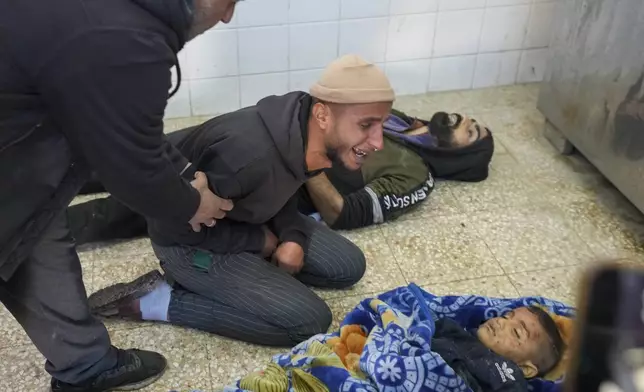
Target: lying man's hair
(550, 354)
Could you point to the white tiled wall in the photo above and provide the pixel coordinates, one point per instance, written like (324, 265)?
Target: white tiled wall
(276, 46)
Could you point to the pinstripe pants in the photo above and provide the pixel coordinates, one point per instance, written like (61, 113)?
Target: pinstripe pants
(244, 297)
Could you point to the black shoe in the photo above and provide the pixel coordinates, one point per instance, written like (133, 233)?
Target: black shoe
(134, 370)
(111, 301)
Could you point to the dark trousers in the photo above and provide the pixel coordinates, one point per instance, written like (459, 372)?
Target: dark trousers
(244, 297)
(47, 297)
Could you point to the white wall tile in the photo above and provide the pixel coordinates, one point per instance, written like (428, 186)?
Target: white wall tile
(451, 5)
(256, 87)
(458, 32)
(363, 8)
(303, 80)
(400, 7)
(313, 45)
(504, 28)
(212, 54)
(409, 77)
(500, 3)
(261, 12)
(452, 73)
(410, 37)
(540, 25)
(263, 49)
(496, 69)
(364, 37)
(214, 96)
(179, 104)
(313, 10)
(533, 65)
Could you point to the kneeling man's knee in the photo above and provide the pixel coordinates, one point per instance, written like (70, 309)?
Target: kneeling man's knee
(313, 320)
(357, 264)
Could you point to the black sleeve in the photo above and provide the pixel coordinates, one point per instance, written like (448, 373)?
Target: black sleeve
(107, 91)
(226, 236)
(357, 211)
(289, 225)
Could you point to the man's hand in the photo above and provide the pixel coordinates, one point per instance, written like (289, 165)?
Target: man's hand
(211, 206)
(289, 256)
(270, 242)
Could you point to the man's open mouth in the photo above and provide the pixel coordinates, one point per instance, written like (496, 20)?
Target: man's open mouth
(359, 153)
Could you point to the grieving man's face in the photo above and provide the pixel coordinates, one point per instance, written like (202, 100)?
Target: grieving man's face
(355, 131)
(456, 131)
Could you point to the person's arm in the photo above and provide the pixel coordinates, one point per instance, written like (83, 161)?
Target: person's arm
(289, 225)
(107, 92)
(383, 199)
(325, 197)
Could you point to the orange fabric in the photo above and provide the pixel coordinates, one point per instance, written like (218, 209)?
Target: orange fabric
(349, 345)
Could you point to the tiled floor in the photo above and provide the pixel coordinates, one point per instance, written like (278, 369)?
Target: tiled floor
(530, 228)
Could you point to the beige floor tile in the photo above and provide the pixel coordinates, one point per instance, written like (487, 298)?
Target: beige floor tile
(440, 202)
(516, 123)
(22, 369)
(504, 188)
(186, 351)
(446, 249)
(231, 360)
(491, 286)
(505, 99)
(534, 238)
(382, 270)
(610, 233)
(115, 249)
(11, 334)
(85, 198)
(122, 268)
(560, 284)
(340, 307)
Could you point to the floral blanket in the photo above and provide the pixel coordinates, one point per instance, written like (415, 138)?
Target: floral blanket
(396, 354)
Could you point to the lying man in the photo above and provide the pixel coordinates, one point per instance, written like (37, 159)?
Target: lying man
(218, 280)
(388, 184)
(396, 179)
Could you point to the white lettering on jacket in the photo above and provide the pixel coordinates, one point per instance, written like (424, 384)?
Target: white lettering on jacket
(393, 201)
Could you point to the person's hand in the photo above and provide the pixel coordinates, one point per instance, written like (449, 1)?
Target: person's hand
(211, 206)
(270, 242)
(289, 256)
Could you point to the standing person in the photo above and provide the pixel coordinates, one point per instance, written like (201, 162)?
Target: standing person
(83, 86)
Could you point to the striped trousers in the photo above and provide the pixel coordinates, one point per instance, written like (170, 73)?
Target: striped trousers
(244, 297)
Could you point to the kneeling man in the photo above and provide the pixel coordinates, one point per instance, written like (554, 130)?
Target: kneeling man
(246, 277)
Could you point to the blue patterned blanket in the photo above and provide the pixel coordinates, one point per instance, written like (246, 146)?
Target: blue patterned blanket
(397, 355)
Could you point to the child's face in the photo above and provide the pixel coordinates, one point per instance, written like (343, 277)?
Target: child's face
(515, 336)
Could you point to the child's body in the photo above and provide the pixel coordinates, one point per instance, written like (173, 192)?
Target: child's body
(503, 352)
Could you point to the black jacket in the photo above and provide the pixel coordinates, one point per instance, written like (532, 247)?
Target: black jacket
(255, 157)
(84, 85)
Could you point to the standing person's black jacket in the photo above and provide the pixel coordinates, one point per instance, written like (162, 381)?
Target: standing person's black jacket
(255, 157)
(84, 85)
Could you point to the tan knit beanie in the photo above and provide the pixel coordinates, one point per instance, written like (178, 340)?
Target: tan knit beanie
(352, 80)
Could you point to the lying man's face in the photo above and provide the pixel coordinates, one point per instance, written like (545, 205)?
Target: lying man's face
(352, 132)
(521, 337)
(456, 130)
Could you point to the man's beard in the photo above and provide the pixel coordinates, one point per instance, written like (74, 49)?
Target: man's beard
(334, 157)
